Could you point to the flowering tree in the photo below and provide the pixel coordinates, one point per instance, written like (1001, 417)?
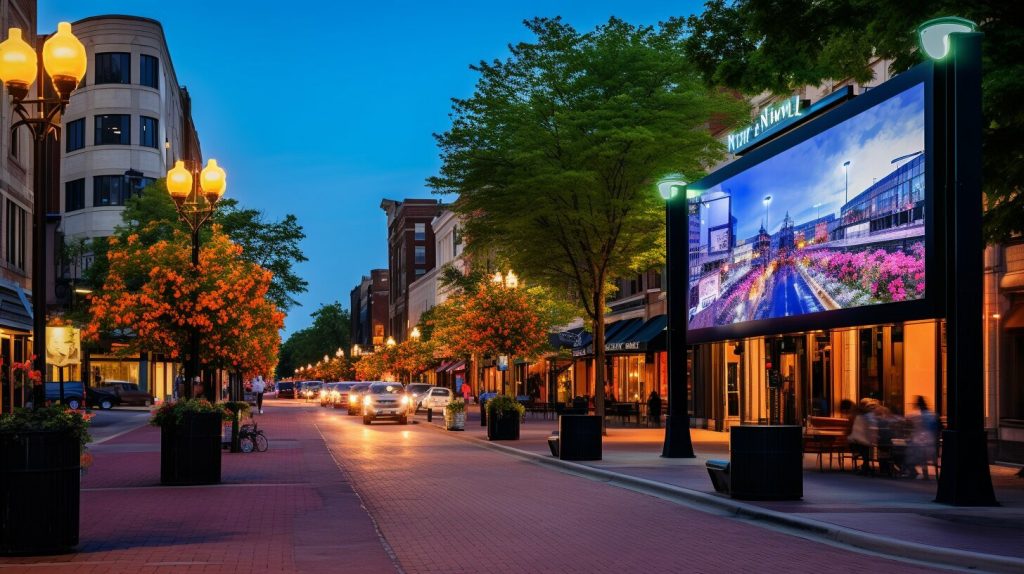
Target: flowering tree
(152, 298)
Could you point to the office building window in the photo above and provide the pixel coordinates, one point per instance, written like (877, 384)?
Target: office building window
(75, 138)
(15, 235)
(421, 255)
(113, 129)
(420, 272)
(74, 195)
(148, 128)
(15, 143)
(421, 231)
(113, 68)
(110, 190)
(149, 71)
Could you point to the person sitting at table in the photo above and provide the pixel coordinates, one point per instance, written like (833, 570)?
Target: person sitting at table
(924, 436)
(885, 423)
(863, 433)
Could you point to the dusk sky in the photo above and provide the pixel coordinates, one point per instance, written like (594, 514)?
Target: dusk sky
(324, 108)
(812, 172)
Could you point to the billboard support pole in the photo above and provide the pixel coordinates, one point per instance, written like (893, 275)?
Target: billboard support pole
(964, 479)
(677, 422)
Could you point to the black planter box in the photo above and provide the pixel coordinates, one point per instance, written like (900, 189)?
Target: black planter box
(40, 480)
(503, 426)
(579, 437)
(766, 462)
(190, 451)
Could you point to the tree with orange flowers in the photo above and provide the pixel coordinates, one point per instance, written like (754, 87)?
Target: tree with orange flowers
(152, 297)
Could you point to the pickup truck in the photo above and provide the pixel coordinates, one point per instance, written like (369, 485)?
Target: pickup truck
(118, 393)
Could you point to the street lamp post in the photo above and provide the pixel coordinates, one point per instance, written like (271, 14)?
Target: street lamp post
(767, 199)
(508, 281)
(64, 60)
(195, 204)
(677, 424)
(846, 175)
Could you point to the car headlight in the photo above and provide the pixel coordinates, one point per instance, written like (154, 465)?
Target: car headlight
(405, 401)
(367, 400)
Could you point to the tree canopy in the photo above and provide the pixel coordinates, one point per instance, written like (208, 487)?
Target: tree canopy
(330, 331)
(757, 45)
(556, 153)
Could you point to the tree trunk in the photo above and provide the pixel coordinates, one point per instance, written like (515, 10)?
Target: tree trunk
(599, 356)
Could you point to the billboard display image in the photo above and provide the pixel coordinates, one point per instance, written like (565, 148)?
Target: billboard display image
(835, 222)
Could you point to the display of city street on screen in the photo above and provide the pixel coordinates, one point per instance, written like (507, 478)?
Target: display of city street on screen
(835, 222)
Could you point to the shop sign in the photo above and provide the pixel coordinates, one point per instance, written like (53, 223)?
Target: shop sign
(581, 351)
(770, 117)
(623, 346)
(63, 346)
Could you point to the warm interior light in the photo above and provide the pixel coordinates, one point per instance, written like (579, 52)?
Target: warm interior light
(64, 59)
(213, 180)
(511, 280)
(497, 279)
(390, 342)
(179, 182)
(933, 35)
(18, 63)
(415, 334)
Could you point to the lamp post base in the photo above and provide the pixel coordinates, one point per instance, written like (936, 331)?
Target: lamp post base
(964, 479)
(677, 438)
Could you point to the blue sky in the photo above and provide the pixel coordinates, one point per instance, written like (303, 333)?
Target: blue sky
(812, 172)
(323, 108)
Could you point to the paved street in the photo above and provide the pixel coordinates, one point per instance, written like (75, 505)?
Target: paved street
(441, 505)
(788, 295)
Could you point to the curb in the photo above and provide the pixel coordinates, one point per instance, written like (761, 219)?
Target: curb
(703, 501)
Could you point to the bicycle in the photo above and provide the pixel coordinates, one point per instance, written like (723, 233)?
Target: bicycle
(251, 438)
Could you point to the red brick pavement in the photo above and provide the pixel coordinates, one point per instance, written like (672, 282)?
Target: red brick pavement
(447, 505)
(287, 510)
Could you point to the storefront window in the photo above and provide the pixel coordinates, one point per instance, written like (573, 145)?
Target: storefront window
(103, 371)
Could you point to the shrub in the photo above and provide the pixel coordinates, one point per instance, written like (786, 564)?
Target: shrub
(172, 413)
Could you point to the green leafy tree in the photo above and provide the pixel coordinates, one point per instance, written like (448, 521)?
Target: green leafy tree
(555, 155)
(757, 45)
(273, 245)
(330, 331)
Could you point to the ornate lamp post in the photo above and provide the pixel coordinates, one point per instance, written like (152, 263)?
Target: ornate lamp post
(64, 60)
(677, 424)
(195, 204)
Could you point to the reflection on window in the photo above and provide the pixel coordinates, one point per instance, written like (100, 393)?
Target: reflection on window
(148, 71)
(421, 231)
(74, 195)
(113, 68)
(75, 137)
(148, 128)
(113, 129)
(110, 190)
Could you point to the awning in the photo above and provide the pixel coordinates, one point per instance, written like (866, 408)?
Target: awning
(443, 366)
(648, 336)
(614, 340)
(15, 312)
(611, 331)
(456, 366)
(570, 339)
(1015, 318)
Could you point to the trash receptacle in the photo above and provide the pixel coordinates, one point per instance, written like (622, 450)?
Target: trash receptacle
(766, 462)
(579, 437)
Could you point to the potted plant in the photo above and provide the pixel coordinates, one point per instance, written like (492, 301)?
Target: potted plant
(504, 414)
(41, 455)
(190, 431)
(455, 415)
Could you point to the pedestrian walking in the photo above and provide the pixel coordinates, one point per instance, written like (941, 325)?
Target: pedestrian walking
(467, 393)
(654, 409)
(258, 386)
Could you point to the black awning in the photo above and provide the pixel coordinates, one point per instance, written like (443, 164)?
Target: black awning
(648, 336)
(569, 339)
(15, 313)
(615, 338)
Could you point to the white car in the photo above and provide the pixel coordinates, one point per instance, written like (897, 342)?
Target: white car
(386, 401)
(437, 398)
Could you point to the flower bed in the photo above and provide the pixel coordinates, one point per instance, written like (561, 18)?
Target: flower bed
(868, 277)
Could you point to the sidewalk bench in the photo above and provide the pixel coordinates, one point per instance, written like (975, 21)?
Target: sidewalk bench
(718, 470)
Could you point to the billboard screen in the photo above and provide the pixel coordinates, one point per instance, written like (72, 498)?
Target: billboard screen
(815, 228)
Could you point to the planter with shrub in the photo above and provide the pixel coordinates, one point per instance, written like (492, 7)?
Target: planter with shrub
(504, 414)
(190, 435)
(455, 415)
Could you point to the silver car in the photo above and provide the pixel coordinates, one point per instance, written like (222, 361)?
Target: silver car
(386, 401)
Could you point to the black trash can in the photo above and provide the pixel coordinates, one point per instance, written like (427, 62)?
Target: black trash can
(190, 450)
(766, 462)
(579, 437)
(483, 413)
(504, 426)
(40, 479)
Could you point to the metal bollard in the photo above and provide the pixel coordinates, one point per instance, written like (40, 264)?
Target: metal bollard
(430, 415)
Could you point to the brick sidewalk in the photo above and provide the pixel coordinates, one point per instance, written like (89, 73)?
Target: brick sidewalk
(287, 510)
(897, 509)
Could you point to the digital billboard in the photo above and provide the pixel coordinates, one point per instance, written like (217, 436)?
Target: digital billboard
(825, 227)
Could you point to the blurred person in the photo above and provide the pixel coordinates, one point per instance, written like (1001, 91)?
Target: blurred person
(863, 433)
(924, 439)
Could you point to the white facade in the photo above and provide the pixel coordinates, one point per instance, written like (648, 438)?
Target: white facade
(425, 292)
(91, 198)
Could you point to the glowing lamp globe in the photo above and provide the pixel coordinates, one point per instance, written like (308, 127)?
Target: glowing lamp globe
(64, 59)
(213, 180)
(17, 61)
(933, 35)
(179, 182)
(669, 187)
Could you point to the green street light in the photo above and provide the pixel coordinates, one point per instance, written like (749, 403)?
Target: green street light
(670, 185)
(933, 35)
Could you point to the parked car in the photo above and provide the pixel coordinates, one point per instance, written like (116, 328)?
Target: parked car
(74, 391)
(386, 401)
(355, 397)
(340, 395)
(122, 393)
(437, 398)
(416, 392)
(285, 390)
